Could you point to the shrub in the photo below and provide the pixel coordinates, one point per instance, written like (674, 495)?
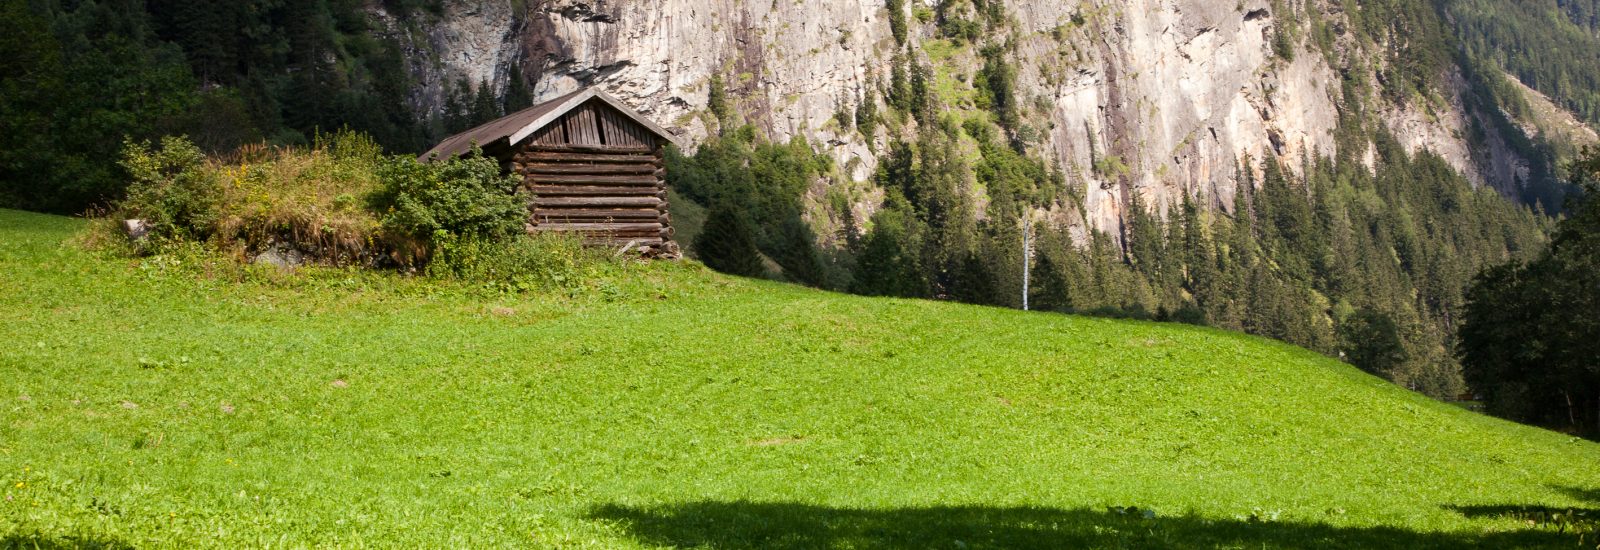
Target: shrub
(521, 263)
(171, 189)
(463, 197)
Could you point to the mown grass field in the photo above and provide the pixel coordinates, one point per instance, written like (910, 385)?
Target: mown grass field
(165, 402)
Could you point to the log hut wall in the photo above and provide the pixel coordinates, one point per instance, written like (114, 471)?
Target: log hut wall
(596, 173)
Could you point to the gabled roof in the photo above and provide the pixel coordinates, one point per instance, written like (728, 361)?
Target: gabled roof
(515, 127)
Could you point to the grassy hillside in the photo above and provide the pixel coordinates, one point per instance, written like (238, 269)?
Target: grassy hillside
(167, 402)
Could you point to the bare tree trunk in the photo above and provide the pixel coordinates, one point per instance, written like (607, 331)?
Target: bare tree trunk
(1572, 418)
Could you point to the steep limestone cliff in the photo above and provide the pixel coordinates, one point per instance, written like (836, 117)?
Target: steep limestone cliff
(1181, 94)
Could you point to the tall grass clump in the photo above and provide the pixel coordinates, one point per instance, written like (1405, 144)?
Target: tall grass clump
(518, 263)
(309, 199)
(259, 197)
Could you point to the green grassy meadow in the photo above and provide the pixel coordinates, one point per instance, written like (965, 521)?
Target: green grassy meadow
(176, 402)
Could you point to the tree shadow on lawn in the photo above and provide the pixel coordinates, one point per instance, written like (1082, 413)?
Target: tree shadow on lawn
(743, 524)
(1577, 520)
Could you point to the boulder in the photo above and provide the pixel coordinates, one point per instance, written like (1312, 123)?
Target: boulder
(281, 256)
(136, 230)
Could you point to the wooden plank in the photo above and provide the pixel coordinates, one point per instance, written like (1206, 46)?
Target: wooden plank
(622, 241)
(594, 191)
(554, 134)
(608, 227)
(588, 202)
(647, 233)
(582, 127)
(592, 169)
(593, 214)
(622, 130)
(585, 179)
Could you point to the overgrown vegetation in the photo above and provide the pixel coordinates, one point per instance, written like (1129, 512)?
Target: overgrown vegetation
(313, 199)
(456, 198)
(341, 202)
(751, 184)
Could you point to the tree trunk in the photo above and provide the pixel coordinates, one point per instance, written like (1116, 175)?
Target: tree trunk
(1572, 419)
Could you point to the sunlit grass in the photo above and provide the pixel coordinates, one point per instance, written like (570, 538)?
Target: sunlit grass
(169, 402)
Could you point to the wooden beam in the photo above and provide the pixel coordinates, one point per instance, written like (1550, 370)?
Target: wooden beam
(594, 190)
(588, 213)
(588, 202)
(591, 169)
(609, 227)
(586, 179)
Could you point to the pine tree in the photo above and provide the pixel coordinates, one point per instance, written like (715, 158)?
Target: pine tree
(725, 244)
(518, 95)
(485, 107)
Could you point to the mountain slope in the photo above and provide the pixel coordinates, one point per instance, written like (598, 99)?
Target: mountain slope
(1181, 92)
(175, 401)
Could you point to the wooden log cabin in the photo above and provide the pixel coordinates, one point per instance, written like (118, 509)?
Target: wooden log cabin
(591, 166)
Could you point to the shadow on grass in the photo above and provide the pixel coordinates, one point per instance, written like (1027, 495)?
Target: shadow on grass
(36, 541)
(1587, 495)
(1577, 520)
(741, 524)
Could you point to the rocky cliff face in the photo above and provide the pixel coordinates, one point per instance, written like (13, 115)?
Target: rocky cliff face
(1182, 94)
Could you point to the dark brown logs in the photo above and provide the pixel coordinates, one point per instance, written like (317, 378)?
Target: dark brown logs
(594, 190)
(590, 214)
(640, 227)
(569, 168)
(646, 179)
(585, 202)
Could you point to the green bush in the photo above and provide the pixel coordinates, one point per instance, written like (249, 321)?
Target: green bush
(171, 189)
(461, 197)
(521, 263)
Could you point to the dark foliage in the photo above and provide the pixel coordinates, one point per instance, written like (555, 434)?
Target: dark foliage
(1371, 340)
(725, 244)
(1530, 337)
(80, 77)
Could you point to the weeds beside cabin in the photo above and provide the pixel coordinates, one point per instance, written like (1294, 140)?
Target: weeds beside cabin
(591, 165)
